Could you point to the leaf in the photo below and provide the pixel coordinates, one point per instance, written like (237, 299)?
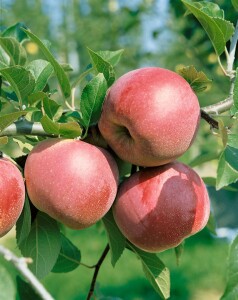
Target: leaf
(203, 158)
(92, 99)
(36, 97)
(211, 181)
(232, 278)
(156, 272)
(116, 239)
(23, 225)
(113, 57)
(235, 4)
(211, 9)
(7, 287)
(219, 31)
(25, 290)
(102, 66)
(8, 119)
(21, 80)
(41, 70)
(14, 49)
(70, 129)
(69, 257)
(3, 140)
(197, 79)
(235, 93)
(16, 32)
(227, 171)
(42, 244)
(59, 71)
(211, 224)
(52, 109)
(4, 59)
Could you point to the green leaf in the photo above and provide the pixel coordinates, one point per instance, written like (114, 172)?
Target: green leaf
(219, 31)
(235, 4)
(211, 181)
(235, 95)
(203, 158)
(52, 109)
(69, 257)
(25, 290)
(8, 119)
(232, 278)
(3, 140)
(227, 171)
(23, 225)
(92, 99)
(197, 79)
(14, 49)
(41, 70)
(7, 287)
(59, 71)
(36, 97)
(156, 272)
(211, 224)
(102, 66)
(42, 244)
(116, 239)
(16, 32)
(20, 80)
(113, 57)
(4, 59)
(70, 129)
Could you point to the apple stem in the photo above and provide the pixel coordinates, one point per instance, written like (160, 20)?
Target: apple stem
(97, 268)
(20, 264)
(209, 119)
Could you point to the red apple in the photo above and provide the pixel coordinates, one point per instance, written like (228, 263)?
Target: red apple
(72, 181)
(157, 208)
(150, 116)
(12, 195)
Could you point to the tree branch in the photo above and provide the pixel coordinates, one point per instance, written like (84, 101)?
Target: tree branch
(97, 267)
(219, 107)
(209, 119)
(24, 127)
(20, 264)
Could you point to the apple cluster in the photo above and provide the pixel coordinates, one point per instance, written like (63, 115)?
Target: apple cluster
(150, 117)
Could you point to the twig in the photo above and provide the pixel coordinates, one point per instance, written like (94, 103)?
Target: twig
(24, 127)
(97, 267)
(219, 107)
(209, 119)
(20, 264)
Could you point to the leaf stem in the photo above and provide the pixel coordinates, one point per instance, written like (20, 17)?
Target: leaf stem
(20, 264)
(97, 268)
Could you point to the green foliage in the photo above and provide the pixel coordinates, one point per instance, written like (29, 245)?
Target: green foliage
(42, 244)
(23, 225)
(7, 287)
(231, 288)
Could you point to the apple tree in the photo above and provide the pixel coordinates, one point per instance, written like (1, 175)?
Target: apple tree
(107, 150)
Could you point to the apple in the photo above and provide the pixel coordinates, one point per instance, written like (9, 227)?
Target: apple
(12, 191)
(72, 181)
(150, 116)
(158, 207)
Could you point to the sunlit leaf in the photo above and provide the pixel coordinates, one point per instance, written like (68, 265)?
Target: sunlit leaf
(59, 71)
(16, 32)
(8, 119)
(7, 287)
(14, 49)
(113, 57)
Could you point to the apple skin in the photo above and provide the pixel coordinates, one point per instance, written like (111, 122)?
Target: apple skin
(72, 181)
(150, 116)
(157, 208)
(12, 195)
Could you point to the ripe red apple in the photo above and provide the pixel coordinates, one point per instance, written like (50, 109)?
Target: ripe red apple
(72, 181)
(12, 195)
(150, 116)
(157, 208)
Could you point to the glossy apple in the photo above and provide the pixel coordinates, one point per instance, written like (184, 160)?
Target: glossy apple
(150, 116)
(12, 195)
(72, 181)
(157, 208)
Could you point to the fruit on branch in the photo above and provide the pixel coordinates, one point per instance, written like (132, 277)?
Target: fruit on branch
(150, 116)
(157, 208)
(72, 181)
(12, 195)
